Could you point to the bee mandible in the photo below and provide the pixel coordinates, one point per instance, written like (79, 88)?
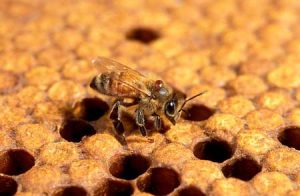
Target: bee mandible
(153, 97)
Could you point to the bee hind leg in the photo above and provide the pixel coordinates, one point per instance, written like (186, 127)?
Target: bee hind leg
(115, 110)
(115, 116)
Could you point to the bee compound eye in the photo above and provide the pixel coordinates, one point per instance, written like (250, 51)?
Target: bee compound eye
(170, 108)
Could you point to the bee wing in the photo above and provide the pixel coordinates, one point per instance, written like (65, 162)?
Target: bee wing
(123, 74)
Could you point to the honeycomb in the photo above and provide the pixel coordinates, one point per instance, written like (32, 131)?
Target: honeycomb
(242, 136)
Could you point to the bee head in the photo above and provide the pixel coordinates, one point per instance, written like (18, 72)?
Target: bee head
(174, 106)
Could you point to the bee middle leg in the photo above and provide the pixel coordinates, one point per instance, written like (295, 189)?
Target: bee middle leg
(140, 121)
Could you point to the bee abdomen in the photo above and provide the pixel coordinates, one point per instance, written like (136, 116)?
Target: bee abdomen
(101, 83)
(107, 84)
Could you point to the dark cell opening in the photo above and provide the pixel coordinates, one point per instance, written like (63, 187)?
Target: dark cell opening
(115, 188)
(129, 166)
(91, 109)
(213, 150)
(143, 34)
(159, 181)
(73, 130)
(290, 137)
(71, 190)
(190, 191)
(197, 112)
(8, 186)
(244, 169)
(15, 162)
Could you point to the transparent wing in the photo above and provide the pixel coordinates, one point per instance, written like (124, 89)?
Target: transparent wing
(123, 74)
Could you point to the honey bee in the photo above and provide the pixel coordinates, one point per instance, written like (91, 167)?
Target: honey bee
(153, 97)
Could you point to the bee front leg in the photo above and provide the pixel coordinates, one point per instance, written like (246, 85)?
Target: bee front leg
(140, 121)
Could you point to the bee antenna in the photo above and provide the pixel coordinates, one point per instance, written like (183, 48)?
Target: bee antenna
(191, 98)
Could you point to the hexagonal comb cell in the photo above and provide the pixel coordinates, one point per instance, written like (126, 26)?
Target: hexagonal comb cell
(129, 166)
(197, 112)
(159, 181)
(90, 109)
(114, 188)
(244, 168)
(290, 137)
(15, 162)
(8, 186)
(190, 191)
(213, 150)
(143, 34)
(74, 130)
(71, 190)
